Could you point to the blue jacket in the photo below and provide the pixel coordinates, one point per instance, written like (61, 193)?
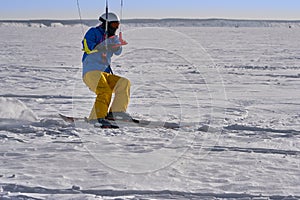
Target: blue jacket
(97, 58)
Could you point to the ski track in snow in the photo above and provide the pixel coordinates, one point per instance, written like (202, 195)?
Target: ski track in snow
(240, 144)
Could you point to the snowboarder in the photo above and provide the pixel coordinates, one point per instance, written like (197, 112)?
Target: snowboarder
(99, 45)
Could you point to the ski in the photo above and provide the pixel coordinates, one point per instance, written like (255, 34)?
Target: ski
(137, 122)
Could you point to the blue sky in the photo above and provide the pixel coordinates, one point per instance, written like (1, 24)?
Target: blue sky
(236, 9)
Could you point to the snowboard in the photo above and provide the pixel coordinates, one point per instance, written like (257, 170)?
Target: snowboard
(136, 122)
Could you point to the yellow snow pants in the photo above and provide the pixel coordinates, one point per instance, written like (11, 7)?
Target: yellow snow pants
(104, 85)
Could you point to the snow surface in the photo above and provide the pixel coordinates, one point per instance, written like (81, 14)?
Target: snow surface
(236, 88)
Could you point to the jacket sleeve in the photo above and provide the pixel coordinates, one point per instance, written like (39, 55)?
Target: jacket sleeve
(89, 42)
(116, 41)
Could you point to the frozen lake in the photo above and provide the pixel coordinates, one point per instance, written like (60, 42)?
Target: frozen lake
(236, 88)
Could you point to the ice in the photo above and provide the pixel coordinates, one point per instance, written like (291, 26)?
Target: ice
(237, 88)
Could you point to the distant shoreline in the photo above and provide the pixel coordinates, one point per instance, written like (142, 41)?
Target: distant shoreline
(209, 22)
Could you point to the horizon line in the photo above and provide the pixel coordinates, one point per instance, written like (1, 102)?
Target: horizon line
(166, 18)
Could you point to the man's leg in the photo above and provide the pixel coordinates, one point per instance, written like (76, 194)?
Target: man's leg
(122, 95)
(97, 82)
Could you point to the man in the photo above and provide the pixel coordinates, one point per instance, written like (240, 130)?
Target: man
(99, 46)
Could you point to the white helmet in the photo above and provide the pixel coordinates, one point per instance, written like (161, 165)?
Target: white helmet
(112, 17)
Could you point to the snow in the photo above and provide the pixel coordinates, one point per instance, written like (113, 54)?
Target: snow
(237, 88)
